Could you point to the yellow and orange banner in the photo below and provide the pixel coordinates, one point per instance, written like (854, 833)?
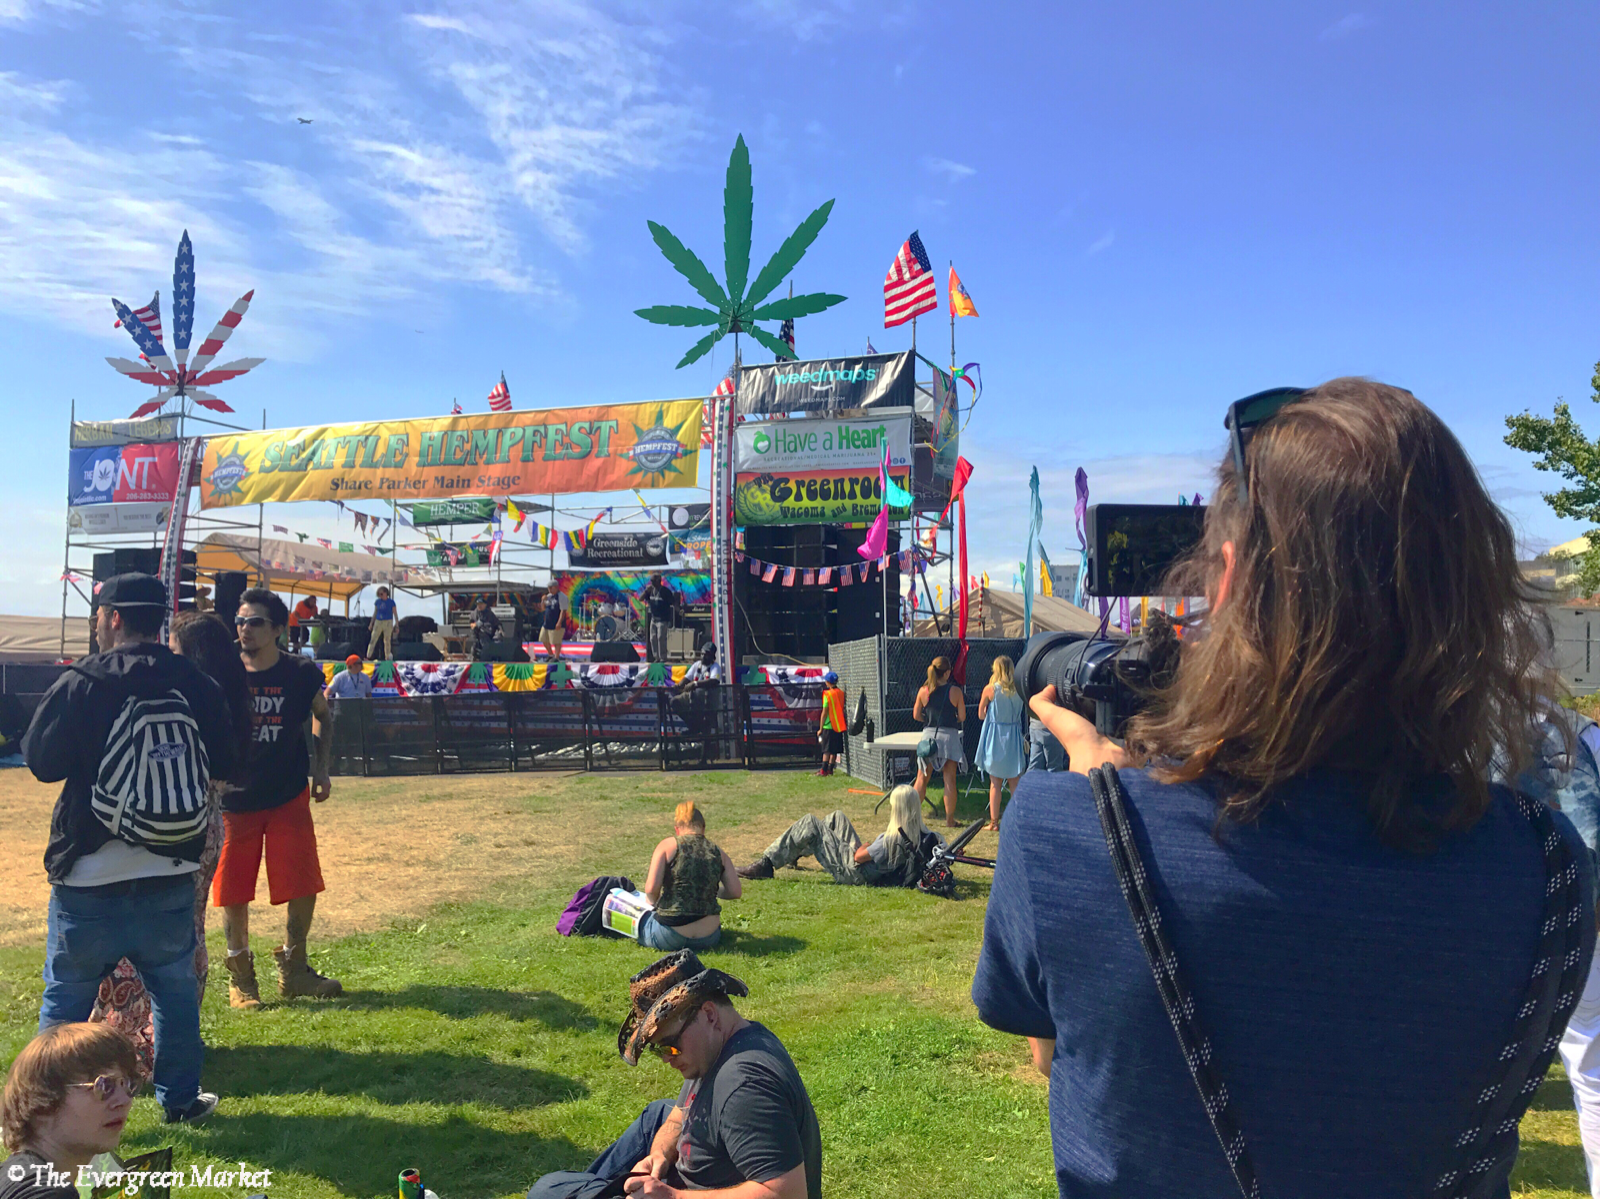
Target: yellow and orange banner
(596, 448)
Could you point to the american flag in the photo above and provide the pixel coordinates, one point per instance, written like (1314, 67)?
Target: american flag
(725, 388)
(455, 408)
(500, 398)
(909, 287)
(786, 332)
(150, 315)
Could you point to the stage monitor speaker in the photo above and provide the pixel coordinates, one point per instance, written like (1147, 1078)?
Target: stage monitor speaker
(231, 586)
(504, 651)
(614, 652)
(338, 652)
(416, 652)
(125, 559)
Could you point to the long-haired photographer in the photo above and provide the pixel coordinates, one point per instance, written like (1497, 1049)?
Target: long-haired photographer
(1366, 949)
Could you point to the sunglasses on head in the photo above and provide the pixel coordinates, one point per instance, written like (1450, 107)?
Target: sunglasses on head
(255, 623)
(105, 1087)
(1244, 416)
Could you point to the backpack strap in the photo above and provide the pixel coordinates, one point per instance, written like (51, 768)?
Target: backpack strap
(1552, 992)
(1110, 799)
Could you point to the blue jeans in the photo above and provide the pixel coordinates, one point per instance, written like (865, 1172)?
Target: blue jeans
(1045, 752)
(666, 938)
(617, 1160)
(88, 933)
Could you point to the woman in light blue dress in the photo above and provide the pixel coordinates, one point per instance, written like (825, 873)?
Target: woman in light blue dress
(1000, 750)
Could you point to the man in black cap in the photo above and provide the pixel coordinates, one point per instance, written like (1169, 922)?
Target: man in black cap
(743, 1116)
(136, 732)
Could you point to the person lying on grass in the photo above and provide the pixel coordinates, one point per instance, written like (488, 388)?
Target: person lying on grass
(742, 1124)
(688, 872)
(894, 859)
(66, 1100)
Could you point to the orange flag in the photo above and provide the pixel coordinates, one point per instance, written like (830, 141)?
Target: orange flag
(960, 302)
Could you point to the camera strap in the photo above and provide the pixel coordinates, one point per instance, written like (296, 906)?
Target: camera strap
(1110, 799)
(1490, 1134)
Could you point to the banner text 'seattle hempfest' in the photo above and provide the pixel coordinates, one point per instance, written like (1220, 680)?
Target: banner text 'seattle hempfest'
(597, 448)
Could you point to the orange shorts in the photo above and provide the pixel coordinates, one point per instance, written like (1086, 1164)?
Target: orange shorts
(291, 845)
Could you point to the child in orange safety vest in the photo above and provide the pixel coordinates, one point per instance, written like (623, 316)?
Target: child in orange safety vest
(830, 731)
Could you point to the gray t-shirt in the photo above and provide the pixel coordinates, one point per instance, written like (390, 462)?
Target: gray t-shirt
(878, 869)
(750, 1118)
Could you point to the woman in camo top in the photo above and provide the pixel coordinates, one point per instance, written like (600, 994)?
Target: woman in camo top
(688, 873)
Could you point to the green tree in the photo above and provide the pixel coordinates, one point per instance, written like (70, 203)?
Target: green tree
(1563, 448)
(736, 311)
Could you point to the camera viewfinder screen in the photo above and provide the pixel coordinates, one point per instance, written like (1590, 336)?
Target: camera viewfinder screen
(1134, 545)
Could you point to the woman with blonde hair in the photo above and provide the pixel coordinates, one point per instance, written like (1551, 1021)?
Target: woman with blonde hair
(688, 873)
(891, 859)
(942, 710)
(1000, 752)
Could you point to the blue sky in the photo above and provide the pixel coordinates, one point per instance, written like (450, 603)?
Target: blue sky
(1157, 209)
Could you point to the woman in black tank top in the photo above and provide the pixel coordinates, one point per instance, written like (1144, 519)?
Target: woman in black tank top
(941, 709)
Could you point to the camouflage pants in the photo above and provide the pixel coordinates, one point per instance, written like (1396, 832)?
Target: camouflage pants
(833, 843)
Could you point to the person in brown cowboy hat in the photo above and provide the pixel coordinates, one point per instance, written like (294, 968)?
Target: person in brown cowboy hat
(742, 1124)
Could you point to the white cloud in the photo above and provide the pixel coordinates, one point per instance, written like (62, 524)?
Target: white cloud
(1103, 242)
(463, 147)
(953, 170)
(1344, 27)
(19, 12)
(17, 92)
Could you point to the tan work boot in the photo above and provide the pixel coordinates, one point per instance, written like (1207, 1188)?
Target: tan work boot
(297, 978)
(243, 991)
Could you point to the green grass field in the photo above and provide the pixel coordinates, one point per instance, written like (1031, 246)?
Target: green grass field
(477, 1045)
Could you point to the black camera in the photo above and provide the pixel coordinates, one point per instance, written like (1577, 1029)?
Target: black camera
(1131, 550)
(1110, 676)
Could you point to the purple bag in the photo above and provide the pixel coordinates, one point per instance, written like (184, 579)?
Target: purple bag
(582, 914)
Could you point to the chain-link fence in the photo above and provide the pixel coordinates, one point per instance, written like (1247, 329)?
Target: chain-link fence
(889, 671)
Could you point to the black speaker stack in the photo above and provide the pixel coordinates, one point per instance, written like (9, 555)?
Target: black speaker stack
(800, 622)
(230, 587)
(146, 559)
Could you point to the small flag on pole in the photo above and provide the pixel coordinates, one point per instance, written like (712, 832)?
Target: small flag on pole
(786, 332)
(960, 302)
(909, 287)
(150, 315)
(500, 397)
(455, 408)
(725, 388)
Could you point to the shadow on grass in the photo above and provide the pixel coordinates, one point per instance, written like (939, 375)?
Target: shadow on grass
(465, 1000)
(757, 946)
(1553, 1095)
(361, 1156)
(1548, 1167)
(389, 1077)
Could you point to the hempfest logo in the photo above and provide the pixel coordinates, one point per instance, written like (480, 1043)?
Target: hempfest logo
(229, 473)
(656, 450)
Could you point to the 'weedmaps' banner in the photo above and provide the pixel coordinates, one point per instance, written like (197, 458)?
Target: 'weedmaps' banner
(599, 448)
